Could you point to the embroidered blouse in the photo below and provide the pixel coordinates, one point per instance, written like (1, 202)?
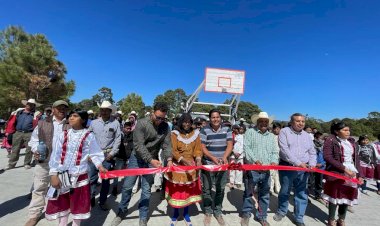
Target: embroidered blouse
(61, 161)
(188, 147)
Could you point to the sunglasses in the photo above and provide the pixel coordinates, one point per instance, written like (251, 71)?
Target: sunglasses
(158, 118)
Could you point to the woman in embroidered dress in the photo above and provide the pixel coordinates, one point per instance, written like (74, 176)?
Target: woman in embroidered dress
(367, 157)
(183, 188)
(340, 153)
(71, 154)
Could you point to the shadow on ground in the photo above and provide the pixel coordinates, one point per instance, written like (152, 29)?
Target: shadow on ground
(14, 205)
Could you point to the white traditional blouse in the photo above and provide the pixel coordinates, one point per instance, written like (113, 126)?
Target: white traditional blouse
(61, 161)
(348, 151)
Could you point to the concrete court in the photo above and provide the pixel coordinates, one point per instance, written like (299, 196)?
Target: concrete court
(15, 185)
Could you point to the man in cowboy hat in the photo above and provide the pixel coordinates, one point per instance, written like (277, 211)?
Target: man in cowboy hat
(296, 149)
(26, 121)
(260, 147)
(46, 131)
(108, 135)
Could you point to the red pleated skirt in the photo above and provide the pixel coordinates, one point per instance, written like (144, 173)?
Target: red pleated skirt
(182, 195)
(77, 202)
(339, 192)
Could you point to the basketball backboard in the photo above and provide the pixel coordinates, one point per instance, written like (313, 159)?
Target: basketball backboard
(224, 81)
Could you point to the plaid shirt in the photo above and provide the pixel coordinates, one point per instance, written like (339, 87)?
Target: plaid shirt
(260, 146)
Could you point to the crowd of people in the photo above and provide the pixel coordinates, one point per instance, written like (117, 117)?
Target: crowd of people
(69, 147)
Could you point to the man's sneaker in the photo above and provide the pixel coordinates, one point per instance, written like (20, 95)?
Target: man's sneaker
(33, 163)
(143, 222)
(244, 221)
(331, 223)
(104, 207)
(220, 220)
(278, 217)
(340, 222)
(207, 219)
(27, 166)
(116, 221)
(31, 222)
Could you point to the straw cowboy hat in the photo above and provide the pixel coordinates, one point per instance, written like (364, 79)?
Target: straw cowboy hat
(31, 101)
(133, 113)
(90, 112)
(108, 105)
(119, 112)
(242, 120)
(265, 115)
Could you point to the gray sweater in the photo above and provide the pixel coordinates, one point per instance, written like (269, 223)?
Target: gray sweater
(148, 140)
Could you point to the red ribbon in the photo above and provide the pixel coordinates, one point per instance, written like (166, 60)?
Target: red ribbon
(216, 168)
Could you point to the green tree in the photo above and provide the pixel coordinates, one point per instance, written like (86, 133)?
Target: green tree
(87, 104)
(246, 110)
(315, 123)
(374, 115)
(175, 100)
(29, 68)
(104, 94)
(132, 102)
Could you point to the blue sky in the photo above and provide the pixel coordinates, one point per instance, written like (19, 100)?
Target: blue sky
(319, 58)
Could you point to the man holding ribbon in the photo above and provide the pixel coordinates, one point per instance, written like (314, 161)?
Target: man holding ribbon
(296, 149)
(260, 148)
(150, 135)
(217, 146)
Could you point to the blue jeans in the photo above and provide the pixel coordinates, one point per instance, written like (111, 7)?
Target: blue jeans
(298, 181)
(119, 164)
(94, 176)
(262, 180)
(220, 179)
(129, 182)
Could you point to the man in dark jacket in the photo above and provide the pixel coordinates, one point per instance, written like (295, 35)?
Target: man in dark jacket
(150, 135)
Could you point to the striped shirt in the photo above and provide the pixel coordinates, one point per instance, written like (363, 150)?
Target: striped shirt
(216, 141)
(259, 146)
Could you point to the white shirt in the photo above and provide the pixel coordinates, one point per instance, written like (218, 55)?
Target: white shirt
(90, 149)
(34, 140)
(239, 146)
(348, 151)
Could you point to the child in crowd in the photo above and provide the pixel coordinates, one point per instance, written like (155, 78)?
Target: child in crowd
(68, 170)
(367, 158)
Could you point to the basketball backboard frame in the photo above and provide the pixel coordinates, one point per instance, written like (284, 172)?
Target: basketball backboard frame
(224, 80)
